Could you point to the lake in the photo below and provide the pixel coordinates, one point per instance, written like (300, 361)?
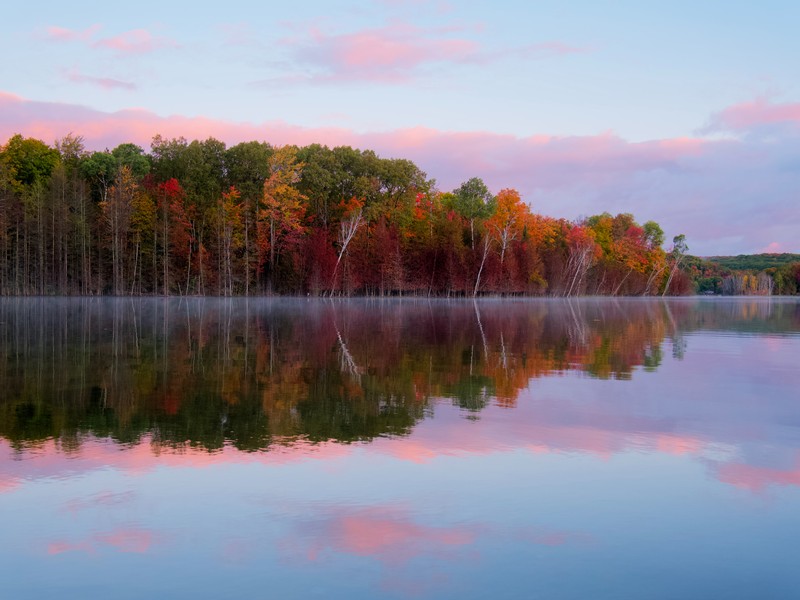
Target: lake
(293, 448)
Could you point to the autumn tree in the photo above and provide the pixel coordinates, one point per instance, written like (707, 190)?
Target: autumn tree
(583, 252)
(70, 215)
(198, 217)
(230, 223)
(175, 237)
(246, 169)
(509, 220)
(30, 162)
(282, 211)
(144, 231)
(117, 210)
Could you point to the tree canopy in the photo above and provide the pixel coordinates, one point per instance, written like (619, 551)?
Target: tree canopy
(198, 217)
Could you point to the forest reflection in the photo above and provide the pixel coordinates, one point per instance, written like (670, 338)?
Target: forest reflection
(255, 373)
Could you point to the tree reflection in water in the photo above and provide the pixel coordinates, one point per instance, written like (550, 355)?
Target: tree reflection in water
(255, 373)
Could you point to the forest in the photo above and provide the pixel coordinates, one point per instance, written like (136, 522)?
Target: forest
(201, 218)
(745, 275)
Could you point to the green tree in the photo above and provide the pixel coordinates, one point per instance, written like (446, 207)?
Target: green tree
(247, 168)
(473, 201)
(133, 157)
(100, 168)
(31, 161)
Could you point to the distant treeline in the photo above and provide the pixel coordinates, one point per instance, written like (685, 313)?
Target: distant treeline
(746, 275)
(755, 262)
(199, 218)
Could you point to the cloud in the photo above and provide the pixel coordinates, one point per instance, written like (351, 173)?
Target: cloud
(136, 41)
(772, 248)
(107, 83)
(133, 42)
(756, 116)
(395, 53)
(728, 196)
(61, 34)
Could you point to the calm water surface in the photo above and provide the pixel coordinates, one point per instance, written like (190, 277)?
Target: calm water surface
(402, 449)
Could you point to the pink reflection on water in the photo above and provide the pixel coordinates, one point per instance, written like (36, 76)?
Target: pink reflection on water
(394, 537)
(128, 540)
(133, 540)
(758, 478)
(61, 546)
(386, 533)
(48, 459)
(730, 395)
(8, 484)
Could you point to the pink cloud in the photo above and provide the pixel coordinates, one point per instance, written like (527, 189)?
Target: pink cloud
(728, 196)
(392, 53)
(772, 248)
(107, 83)
(136, 41)
(61, 34)
(452, 157)
(752, 115)
(397, 53)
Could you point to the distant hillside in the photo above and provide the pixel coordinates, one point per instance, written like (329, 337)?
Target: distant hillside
(754, 262)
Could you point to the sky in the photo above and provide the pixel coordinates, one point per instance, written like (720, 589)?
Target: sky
(685, 113)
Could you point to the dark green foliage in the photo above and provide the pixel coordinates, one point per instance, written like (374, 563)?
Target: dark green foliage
(754, 262)
(29, 161)
(133, 157)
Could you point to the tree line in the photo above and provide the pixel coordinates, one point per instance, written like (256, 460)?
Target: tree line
(745, 275)
(200, 218)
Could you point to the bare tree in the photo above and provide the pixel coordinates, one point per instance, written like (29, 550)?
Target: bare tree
(347, 230)
(679, 249)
